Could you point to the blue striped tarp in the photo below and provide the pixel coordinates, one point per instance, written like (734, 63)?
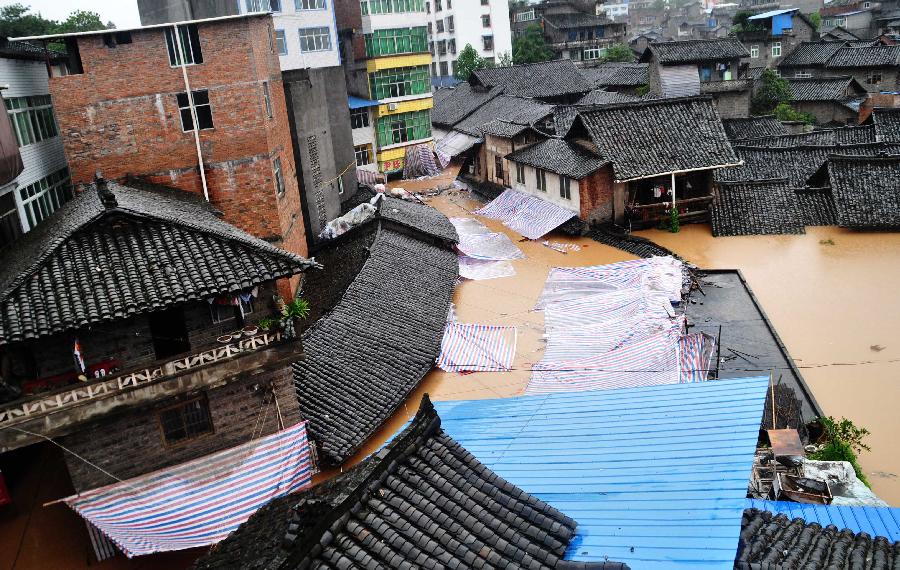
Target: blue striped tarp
(874, 521)
(527, 215)
(477, 348)
(199, 502)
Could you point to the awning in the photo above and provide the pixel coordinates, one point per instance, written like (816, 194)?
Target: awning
(200, 502)
(528, 215)
(456, 143)
(359, 103)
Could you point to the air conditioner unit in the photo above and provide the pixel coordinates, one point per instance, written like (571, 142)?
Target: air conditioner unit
(392, 106)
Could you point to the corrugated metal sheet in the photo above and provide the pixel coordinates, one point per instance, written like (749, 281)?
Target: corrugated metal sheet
(679, 80)
(874, 521)
(656, 477)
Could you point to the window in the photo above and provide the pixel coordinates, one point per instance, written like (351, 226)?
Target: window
(449, 23)
(42, 198)
(32, 118)
(393, 41)
(591, 53)
(873, 77)
(201, 108)
(363, 154)
(777, 72)
(403, 127)
(10, 225)
(451, 46)
(442, 47)
(565, 187)
(279, 177)
(428, 7)
(776, 49)
(257, 6)
(190, 45)
(268, 99)
(453, 63)
(359, 118)
(114, 39)
(520, 173)
(444, 68)
(449, 4)
(754, 52)
(430, 29)
(340, 182)
(280, 42)
(485, 2)
(440, 26)
(526, 16)
(498, 168)
(185, 421)
(867, 4)
(434, 69)
(487, 42)
(275, 5)
(541, 179)
(486, 21)
(437, 6)
(315, 39)
(802, 75)
(309, 5)
(399, 82)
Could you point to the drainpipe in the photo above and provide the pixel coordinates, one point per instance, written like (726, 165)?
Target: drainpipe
(190, 96)
(673, 190)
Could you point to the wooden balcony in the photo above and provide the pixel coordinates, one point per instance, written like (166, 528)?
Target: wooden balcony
(55, 413)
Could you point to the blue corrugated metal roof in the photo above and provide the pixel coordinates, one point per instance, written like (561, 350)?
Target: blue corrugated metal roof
(656, 477)
(771, 13)
(359, 103)
(875, 521)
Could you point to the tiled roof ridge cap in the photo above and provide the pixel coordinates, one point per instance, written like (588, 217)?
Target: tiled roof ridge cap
(804, 146)
(316, 521)
(863, 158)
(754, 182)
(649, 102)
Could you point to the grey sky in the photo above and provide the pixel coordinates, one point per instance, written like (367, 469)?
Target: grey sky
(122, 13)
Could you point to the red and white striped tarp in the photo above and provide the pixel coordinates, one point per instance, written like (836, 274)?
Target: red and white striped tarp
(477, 348)
(697, 352)
(200, 502)
(479, 242)
(527, 215)
(369, 177)
(654, 275)
(420, 161)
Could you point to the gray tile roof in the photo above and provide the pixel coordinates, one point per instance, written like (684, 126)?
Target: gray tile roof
(505, 129)
(373, 348)
(873, 56)
(824, 137)
(563, 117)
(776, 542)
(866, 191)
(88, 264)
(513, 109)
(660, 136)
(420, 217)
(816, 206)
(887, 124)
(756, 207)
(603, 97)
(695, 51)
(543, 80)
(559, 156)
(458, 103)
(841, 33)
(614, 74)
(753, 127)
(422, 501)
(730, 86)
(823, 88)
(810, 54)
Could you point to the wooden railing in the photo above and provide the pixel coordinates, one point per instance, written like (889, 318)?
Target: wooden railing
(94, 389)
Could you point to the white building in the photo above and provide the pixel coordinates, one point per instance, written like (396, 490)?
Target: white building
(483, 24)
(617, 10)
(44, 185)
(305, 31)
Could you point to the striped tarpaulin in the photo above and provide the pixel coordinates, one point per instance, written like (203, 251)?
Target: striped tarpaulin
(527, 215)
(479, 242)
(655, 275)
(696, 353)
(420, 162)
(477, 348)
(480, 269)
(200, 502)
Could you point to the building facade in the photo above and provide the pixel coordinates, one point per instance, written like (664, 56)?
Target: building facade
(452, 25)
(44, 184)
(774, 34)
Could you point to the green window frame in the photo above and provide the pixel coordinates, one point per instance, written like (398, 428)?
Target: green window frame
(32, 118)
(394, 41)
(403, 127)
(399, 82)
(391, 6)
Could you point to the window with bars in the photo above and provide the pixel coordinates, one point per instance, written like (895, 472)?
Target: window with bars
(185, 421)
(403, 127)
(451, 45)
(10, 225)
(526, 16)
(520, 173)
(486, 21)
(392, 6)
(359, 118)
(540, 177)
(393, 41)
(280, 42)
(190, 44)
(32, 118)
(437, 6)
(487, 42)
(449, 23)
(42, 198)
(315, 39)
(279, 177)
(399, 82)
(440, 26)
(873, 77)
(445, 70)
(363, 154)
(442, 47)
(268, 99)
(309, 5)
(565, 187)
(201, 108)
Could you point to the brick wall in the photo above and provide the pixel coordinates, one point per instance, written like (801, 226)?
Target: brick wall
(732, 104)
(121, 117)
(596, 193)
(827, 112)
(131, 443)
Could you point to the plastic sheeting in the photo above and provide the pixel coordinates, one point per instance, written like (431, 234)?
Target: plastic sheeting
(480, 269)
(477, 348)
(420, 161)
(351, 219)
(479, 242)
(527, 215)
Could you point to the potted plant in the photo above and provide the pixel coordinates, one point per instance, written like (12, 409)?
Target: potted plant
(286, 319)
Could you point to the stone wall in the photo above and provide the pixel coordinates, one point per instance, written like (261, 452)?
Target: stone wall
(596, 193)
(827, 112)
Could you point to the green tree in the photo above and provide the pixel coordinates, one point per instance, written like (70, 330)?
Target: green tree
(618, 52)
(816, 20)
(659, 5)
(531, 47)
(467, 62)
(784, 112)
(773, 90)
(17, 21)
(741, 23)
(80, 21)
(505, 60)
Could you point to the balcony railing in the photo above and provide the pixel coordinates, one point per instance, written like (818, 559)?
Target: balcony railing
(70, 396)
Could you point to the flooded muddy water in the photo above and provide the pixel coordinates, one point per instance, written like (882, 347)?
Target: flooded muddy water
(833, 297)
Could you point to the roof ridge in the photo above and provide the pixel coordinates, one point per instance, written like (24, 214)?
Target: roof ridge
(649, 102)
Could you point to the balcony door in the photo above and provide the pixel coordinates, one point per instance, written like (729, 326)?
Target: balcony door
(169, 333)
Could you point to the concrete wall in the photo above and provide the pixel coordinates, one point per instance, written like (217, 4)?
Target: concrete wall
(733, 104)
(552, 193)
(322, 142)
(131, 443)
(827, 112)
(498, 147)
(468, 29)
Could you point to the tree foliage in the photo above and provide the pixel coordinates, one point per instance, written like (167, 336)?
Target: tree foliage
(773, 91)
(16, 20)
(816, 19)
(467, 62)
(618, 52)
(784, 112)
(741, 23)
(505, 60)
(842, 440)
(531, 47)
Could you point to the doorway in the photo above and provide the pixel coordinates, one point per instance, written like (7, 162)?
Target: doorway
(169, 333)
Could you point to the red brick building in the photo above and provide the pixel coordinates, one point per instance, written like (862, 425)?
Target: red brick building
(124, 110)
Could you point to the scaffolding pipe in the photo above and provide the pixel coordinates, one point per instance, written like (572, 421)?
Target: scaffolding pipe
(190, 96)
